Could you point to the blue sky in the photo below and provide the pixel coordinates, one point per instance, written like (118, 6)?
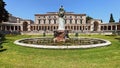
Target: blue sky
(98, 9)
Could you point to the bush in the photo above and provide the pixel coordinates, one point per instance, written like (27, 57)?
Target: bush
(76, 34)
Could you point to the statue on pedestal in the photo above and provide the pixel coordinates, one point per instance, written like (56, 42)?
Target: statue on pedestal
(61, 20)
(61, 34)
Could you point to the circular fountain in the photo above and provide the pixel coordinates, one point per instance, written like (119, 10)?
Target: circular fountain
(72, 43)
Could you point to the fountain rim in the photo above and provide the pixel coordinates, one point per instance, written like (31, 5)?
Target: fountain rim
(63, 47)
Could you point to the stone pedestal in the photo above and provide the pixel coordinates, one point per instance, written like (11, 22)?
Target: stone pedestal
(61, 26)
(60, 36)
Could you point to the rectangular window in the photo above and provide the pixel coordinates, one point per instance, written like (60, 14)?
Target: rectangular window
(49, 21)
(81, 17)
(55, 21)
(70, 21)
(80, 21)
(44, 16)
(76, 21)
(75, 16)
(49, 16)
(39, 21)
(44, 21)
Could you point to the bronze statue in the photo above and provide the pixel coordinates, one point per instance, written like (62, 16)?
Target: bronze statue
(61, 12)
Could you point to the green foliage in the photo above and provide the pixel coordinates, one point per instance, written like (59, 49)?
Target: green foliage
(111, 18)
(4, 15)
(101, 21)
(44, 34)
(88, 18)
(76, 34)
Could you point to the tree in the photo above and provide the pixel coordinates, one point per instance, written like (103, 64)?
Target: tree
(4, 15)
(111, 18)
(88, 18)
(101, 21)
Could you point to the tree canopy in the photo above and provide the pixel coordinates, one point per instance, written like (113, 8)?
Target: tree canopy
(88, 18)
(4, 15)
(111, 18)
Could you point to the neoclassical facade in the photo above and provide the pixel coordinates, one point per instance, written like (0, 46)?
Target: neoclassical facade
(49, 22)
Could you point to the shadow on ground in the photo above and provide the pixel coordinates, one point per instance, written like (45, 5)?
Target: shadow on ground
(2, 50)
(2, 39)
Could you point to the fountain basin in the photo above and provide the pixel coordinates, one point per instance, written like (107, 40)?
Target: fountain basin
(72, 43)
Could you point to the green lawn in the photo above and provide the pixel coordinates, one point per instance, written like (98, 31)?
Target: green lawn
(14, 56)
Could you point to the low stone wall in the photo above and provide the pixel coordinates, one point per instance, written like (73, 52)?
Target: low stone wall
(62, 46)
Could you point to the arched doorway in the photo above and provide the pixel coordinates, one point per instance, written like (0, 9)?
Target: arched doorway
(25, 25)
(96, 24)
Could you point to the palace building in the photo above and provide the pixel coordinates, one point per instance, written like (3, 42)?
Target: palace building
(49, 22)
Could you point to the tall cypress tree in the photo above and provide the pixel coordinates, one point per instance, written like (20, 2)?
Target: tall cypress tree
(111, 18)
(4, 15)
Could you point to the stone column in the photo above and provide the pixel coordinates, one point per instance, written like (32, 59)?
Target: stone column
(21, 28)
(13, 28)
(41, 28)
(53, 28)
(111, 27)
(38, 27)
(79, 28)
(99, 27)
(9, 28)
(107, 27)
(47, 28)
(17, 28)
(78, 21)
(70, 27)
(116, 27)
(73, 28)
(5, 27)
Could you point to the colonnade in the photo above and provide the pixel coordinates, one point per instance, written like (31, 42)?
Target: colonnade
(110, 27)
(10, 27)
(71, 27)
(55, 27)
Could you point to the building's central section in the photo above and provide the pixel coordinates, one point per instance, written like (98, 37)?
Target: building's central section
(50, 21)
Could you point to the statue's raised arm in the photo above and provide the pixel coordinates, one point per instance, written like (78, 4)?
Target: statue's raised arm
(61, 12)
